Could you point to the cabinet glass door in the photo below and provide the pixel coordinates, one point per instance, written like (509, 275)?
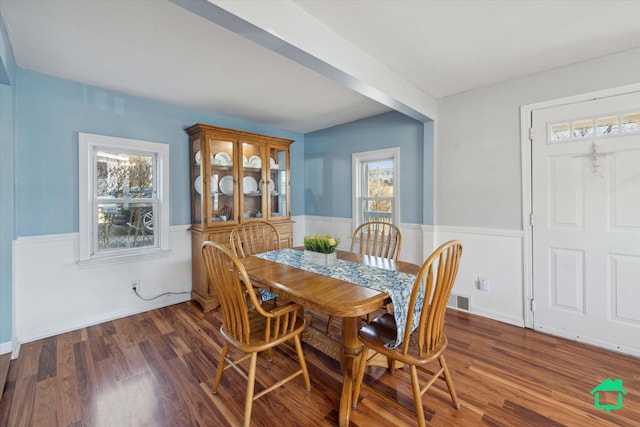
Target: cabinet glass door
(221, 183)
(252, 180)
(196, 176)
(278, 183)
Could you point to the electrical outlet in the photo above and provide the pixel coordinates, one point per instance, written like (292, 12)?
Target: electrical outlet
(134, 286)
(483, 283)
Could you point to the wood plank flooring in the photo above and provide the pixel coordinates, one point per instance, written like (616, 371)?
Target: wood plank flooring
(5, 360)
(156, 369)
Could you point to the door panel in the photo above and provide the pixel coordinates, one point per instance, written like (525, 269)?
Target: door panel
(566, 279)
(626, 191)
(586, 237)
(567, 196)
(625, 273)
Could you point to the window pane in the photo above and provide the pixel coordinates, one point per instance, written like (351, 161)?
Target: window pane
(630, 122)
(379, 178)
(583, 129)
(560, 132)
(376, 210)
(123, 175)
(125, 225)
(607, 126)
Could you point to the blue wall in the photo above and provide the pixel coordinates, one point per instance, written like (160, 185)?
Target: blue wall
(327, 164)
(49, 114)
(7, 93)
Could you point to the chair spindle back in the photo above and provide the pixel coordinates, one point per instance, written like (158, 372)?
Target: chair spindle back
(231, 283)
(435, 279)
(254, 237)
(377, 238)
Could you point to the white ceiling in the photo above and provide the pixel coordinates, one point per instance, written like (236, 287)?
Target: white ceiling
(159, 50)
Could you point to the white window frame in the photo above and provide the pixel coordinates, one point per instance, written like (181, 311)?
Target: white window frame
(88, 145)
(357, 159)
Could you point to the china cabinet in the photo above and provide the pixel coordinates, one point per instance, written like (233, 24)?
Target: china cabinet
(236, 177)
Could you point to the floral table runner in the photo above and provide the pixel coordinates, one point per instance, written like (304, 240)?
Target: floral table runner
(396, 284)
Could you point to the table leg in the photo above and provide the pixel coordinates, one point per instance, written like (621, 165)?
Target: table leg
(352, 350)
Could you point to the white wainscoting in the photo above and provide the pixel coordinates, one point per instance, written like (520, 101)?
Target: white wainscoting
(490, 253)
(53, 294)
(413, 235)
(340, 227)
(496, 255)
(299, 225)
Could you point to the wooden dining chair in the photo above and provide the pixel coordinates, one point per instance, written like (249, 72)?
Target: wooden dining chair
(375, 238)
(250, 331)
(254, 237)
(426, 345)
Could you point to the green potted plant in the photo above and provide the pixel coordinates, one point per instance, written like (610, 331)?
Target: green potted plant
(320, 249)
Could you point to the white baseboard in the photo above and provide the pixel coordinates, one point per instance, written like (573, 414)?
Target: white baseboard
(101, 318)
(596, 343)
(511, 320)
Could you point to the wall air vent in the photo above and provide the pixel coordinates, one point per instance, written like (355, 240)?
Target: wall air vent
(460, 302)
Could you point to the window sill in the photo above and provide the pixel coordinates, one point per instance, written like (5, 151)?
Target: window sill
(104, 260)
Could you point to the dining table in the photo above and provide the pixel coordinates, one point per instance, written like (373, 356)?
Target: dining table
(321, 290)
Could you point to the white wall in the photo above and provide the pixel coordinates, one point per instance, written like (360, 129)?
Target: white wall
(477, 166)
(497, 256)
(53, 294)
(478, 175)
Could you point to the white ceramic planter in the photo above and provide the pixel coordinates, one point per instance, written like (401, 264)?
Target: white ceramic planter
(317, 258)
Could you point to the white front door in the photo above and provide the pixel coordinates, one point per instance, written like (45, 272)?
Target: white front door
(586, 221)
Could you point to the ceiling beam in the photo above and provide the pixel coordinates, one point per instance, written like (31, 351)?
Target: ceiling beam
(288, 30)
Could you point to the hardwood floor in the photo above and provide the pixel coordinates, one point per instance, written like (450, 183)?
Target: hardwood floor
(5, 360)
(156, 369)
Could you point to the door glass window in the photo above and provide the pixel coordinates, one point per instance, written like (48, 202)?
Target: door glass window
(605, 126)
(630, 122)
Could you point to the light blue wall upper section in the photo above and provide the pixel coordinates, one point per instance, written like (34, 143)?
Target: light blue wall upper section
(7, 104)
(49, 114)
(327, 164)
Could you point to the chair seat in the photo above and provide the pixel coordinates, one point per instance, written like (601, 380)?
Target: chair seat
(257, 341)
(382, 330)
